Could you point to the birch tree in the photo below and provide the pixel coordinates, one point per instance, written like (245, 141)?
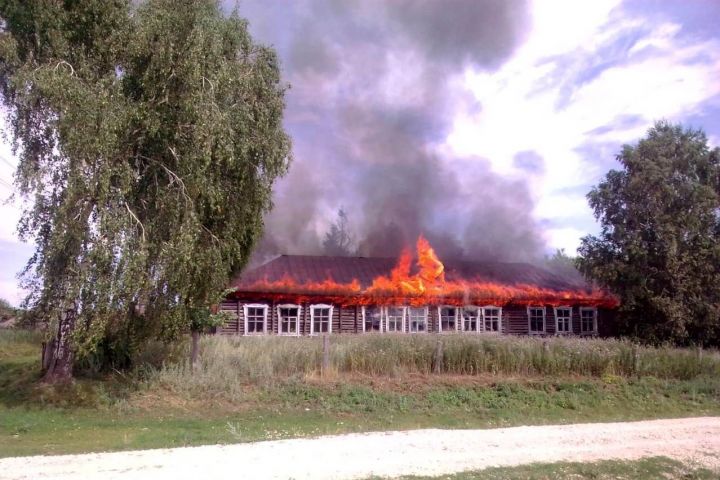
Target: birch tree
(149, 137)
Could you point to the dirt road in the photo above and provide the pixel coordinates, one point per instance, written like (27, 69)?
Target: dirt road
(429, 452)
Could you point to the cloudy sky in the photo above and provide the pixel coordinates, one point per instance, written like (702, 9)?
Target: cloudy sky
(481, 124)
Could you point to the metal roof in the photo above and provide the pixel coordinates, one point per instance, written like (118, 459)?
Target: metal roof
(307, 268)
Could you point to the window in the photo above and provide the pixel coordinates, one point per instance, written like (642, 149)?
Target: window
(588, 321)
(492, 319)
(320, 319)
(289, 319)
(563, 320)
(536, 318)
(418, 319)
(372, 319)
(255, 318)
(395, 319)
(471, 319)
(448, 319)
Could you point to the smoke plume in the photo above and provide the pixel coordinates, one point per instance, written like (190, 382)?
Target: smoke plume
(374, 85)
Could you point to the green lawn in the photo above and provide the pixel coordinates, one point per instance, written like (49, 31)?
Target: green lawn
(121, 412)
(653, 468)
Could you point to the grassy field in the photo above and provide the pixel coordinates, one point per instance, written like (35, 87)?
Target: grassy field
(646, 469)
(256, 359)
(251, 388)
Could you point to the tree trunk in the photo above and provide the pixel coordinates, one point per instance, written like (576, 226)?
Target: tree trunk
(59, 358)
(195, 348)
(47, 354)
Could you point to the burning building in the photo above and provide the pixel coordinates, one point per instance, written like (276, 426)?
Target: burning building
(310, 295)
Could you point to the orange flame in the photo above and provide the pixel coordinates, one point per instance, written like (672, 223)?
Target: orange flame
(430, 280)
(428, 286)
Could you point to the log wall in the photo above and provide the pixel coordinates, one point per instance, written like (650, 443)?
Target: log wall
(348, 319)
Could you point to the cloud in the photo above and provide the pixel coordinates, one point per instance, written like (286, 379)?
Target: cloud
(13, 253)
(13, 257)
(482, 125)
(573, 97)
(529, 161)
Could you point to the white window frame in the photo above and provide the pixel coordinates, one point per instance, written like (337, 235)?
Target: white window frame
(385, 321)
(380, 309)
(265, 319)
(297, 322)
(595, 321)
(479, 323)
(312, 318)
(426, 311)
(500, 320)
(544, 319)
(457, 315)
(557, 323)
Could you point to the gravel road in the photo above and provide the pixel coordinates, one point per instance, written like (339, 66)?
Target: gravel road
(428, 452)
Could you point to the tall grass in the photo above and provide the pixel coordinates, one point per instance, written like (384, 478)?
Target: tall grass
(229, 363)
(17, 335)
(15, 341)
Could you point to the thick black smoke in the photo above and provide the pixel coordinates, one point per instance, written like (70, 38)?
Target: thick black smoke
(374, 86)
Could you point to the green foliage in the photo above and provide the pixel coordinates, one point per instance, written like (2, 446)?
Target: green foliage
(6, 310)
(338, 241)
(562, 264)
(203, 319)
(297, 409)
(169, 406)
(149, 137)
(650, 468)
(659, 246)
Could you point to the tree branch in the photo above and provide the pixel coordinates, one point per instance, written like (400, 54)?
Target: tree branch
(137, 220)
(63, 62)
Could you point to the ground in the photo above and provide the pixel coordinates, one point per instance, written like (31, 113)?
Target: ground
(418, 452)
(174, 407)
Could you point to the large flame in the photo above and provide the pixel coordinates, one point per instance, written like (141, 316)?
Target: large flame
(426, 287)
(430, 280)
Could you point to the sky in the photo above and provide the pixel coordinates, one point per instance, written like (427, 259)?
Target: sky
(480, 124)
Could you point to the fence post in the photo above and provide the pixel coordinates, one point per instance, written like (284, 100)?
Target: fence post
(326, 354)
(43, 357)
(437, 367)
(636, 360)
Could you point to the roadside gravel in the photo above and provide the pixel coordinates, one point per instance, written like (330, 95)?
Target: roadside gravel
(420, 452)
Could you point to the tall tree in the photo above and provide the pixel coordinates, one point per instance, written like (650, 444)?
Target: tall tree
(563, 264)
(149, 139)
(659, 245)
(338, 241)
(7, 311)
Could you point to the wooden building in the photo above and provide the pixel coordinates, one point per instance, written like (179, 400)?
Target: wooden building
(310, 295)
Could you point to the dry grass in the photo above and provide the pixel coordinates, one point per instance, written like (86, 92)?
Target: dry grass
(229, 365)
(272, 388)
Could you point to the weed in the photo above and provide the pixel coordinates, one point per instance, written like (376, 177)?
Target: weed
(228, 363)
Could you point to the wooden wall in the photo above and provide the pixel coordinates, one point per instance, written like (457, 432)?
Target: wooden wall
(349, 319)
(607, 322)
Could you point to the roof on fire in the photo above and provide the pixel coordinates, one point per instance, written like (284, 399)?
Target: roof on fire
(308, 268)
